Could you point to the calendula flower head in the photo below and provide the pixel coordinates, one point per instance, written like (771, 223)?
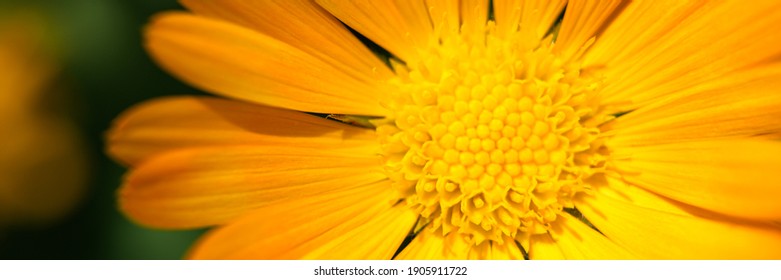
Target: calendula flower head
(491, 137)
(42, 167)
(471, 129)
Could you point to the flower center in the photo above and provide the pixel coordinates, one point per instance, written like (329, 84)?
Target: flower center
(491, 140)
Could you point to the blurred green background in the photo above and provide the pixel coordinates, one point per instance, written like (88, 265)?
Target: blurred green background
(105, 70)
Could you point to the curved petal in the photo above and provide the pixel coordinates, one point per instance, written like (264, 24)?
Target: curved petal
(207, 186)
(402, 27)
(509, 250)
(532, 18)
(657, 48)
(742, 106)
(737, 178)
(582, 21)
(429, 245)
(298, 227)
(235, 61)
(299, 23)
(376, 239)
(445, 16)
(172, 123)
(572, 239)
(638, 24)
(543, 247)
(474, 15)
(654, 227)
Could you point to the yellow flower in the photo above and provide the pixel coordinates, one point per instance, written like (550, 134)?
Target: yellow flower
(42, 167)
(642, 129)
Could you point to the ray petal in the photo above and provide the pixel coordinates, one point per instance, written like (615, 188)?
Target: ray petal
(532, 18)
(402, 27)
(430, 245)
(572, 239)
(206, 186)
(740, 106)
(235, 61)
(738, 178)
(582, 21)
(657, 48)
(299, 23)
(658, 228)
(183, 122)
(295, 228)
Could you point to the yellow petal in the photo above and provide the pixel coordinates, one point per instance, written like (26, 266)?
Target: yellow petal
(582, 21)
(737, 178)
(657, 48)
(543, 247)
(531, 18)
(429, 245)
(445, 16)
(184, 122)
(474, 15)
(740, 106)
(235, 61)
(638, 24)
(299, 23)
(377, 239)
(278, 230)
(572, 239)
(654, 227)
(402, 27)
(207, 186)
(509, 250)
